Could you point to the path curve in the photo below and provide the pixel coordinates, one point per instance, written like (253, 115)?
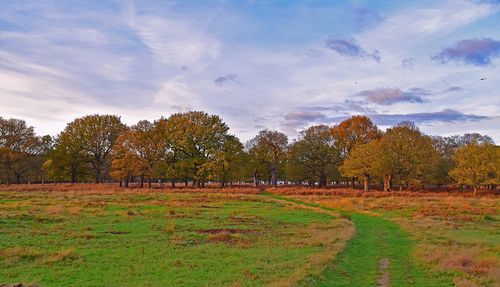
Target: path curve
(377, 241)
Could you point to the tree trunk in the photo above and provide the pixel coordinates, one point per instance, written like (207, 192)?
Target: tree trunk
(142, 180)
(127, 180)
(366, 184)
(172, 183)
(387, 182)
(274, 179)
(18, 177)
(121, 183)
(98, 175)
(353, 181)
(255, 177)
(149, 182)
(475, 191)
(322, 180)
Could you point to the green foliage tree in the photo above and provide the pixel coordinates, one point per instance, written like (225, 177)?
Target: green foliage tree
(228, 161)
(195, 138)
(313, 155)
(67, 160)
(89, 139)
(446, 148)
(406, 155)
(269, 149)
(477, 164)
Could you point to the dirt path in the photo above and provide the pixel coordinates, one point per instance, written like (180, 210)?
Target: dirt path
(383, 268)
(379, 254)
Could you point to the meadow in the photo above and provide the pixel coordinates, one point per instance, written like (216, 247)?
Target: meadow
(106, 238)
(100, 235)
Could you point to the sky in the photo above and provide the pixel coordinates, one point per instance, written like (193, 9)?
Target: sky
(282, 65)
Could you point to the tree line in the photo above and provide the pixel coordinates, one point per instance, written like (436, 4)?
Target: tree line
(196, 148)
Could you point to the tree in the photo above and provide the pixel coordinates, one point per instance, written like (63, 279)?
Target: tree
(351, 132)
(124, 159)
(405, 154)
(360, 162)
(91, 139)
(138, 150)
(269, 149)
(313, 155)
(20, 149)
(67, 160)
(195, 138)
(446, 148)
(228, 160)
(477, 164)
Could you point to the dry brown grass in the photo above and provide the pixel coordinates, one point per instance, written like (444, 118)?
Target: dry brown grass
(54, 210)
(448, 229)
(348, 192)
(333, 237)
(74, 210)
(61, 255)
(114, 188)
(15, 254)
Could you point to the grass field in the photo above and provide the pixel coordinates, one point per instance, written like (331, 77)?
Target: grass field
(76, 236)
(451, 240)
(160, 239)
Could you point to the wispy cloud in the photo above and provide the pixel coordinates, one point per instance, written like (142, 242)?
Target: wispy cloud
(444, 116)
(173, 40)
(366, 18)
(447, 115)
(350, 48)
(453, 89)
(389, 96)
(220, 81)
(59, 60)
(408, 62)
(477, 52)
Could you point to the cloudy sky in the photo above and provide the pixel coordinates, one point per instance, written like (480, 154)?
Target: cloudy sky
(258, 64)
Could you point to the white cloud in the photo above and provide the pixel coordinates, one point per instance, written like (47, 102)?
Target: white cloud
(177, 94)
(172, 41)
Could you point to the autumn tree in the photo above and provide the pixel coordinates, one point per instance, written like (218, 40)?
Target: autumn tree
(20, 149)
(477, 164)
(406, 155)
(90, 139)
(138, 151)
(269, 149)
(360, 162)
(446, 147)
(124, 159)
(313, 154)
(354, 131)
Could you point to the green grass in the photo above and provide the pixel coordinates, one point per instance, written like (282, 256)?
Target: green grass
(151, 240)
(376, 238)
(358, 264)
